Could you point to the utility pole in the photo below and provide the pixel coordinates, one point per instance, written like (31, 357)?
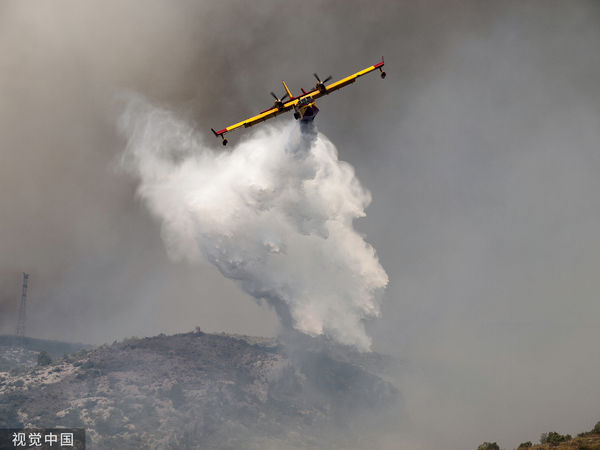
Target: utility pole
(22, 308)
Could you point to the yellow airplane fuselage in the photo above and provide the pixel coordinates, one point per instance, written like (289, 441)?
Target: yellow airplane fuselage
(306, 109)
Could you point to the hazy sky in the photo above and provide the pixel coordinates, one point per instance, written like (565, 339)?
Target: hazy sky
(480, 150)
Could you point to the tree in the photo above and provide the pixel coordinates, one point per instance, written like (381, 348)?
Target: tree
(525, 444)
(554, 438)
(488, 446)
(176, 395)
(44, 358)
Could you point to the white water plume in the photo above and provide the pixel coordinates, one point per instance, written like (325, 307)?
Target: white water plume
(275, 213)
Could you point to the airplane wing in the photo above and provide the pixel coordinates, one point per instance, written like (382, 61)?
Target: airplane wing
(265, 115)
(316, 93)
(319, 91)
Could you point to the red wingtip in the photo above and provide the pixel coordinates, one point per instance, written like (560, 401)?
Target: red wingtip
(380, 63)
(219, 133)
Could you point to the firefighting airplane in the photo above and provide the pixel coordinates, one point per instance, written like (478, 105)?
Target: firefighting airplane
(304, 106)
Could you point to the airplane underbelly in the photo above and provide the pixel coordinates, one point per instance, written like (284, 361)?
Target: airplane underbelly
(310, 113)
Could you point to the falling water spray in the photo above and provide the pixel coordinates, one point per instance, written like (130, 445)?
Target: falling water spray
(275, 214)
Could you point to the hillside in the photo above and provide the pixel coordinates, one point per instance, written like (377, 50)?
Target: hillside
(17, 352)
(591, 442)
(199, 390)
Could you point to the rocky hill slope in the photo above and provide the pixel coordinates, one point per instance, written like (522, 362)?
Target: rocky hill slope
(17, 352)
(578, 443)
(588, 440)
(199, 390)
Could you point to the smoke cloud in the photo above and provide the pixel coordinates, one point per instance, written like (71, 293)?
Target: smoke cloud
(275, 214)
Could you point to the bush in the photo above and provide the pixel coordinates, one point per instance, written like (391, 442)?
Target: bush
(525, 444)
(44, 358)
(554, 438)
(488, 446)
(113, 424)
(596, 429)
(176, 395)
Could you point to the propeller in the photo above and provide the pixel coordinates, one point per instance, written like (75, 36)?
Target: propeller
(321, 84)
(279, 101)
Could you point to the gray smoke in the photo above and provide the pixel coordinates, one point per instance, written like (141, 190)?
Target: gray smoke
(275, 214)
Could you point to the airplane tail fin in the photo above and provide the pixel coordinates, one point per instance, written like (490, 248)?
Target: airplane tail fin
(287, 90)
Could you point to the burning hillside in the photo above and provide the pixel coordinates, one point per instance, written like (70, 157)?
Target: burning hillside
(199, 390)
